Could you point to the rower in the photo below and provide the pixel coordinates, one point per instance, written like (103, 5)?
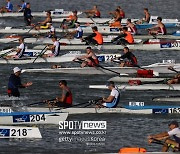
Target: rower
(175, 80)
(132, 27)
(95, 38)
(93, 13)
(146, 18)
(52, 31)
(44, 24)
(114, 97)
(70, 21)
(55, 48)
(173, 132)
(27, 15)
(117, 19)
(8, 8)
(66, 98)
(77, 33)
(15, 83)
(90, 59)
(132, 60)
(128, 37)
(159, 29)
(22, 7)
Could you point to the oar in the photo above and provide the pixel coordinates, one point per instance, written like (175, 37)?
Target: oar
(2, 56)
(172, 69)
(41, 53)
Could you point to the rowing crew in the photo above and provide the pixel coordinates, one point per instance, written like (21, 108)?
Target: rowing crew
(66, 97)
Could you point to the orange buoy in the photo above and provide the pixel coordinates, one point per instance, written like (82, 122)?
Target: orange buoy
(132, 150)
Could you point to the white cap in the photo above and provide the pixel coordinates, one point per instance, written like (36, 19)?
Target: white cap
(16, 69)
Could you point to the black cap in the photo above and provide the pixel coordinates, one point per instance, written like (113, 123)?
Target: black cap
(174, 123)
(110, 83)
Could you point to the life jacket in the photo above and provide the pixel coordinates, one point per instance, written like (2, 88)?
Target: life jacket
(129, 37)
(68, 99)
(98, 38)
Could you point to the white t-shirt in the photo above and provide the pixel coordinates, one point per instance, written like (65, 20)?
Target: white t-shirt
(175, 131)
(79, 29)
(114, 93)
(52, 29)
(21, 46)
(56, 50)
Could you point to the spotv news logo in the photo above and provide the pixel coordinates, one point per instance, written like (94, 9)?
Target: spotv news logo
(85, 125)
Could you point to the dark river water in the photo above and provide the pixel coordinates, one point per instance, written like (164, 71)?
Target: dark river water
(122, 130)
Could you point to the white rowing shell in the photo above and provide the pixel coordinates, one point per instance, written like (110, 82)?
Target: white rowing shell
(19, 132)
(158, 110)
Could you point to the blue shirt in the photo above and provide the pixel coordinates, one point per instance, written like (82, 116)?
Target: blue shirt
(14, 83)
(9, 6)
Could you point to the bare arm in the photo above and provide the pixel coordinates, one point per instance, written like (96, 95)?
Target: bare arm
(109, 99)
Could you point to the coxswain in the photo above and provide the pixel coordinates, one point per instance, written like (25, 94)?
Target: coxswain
(95, 38)
(146, 18)
(113, 99)
(93, 13)
(132, 27)
(159, 29)
(27, 15)
(77, 33)
(174, 132)
(15, 83)
(131, 58)
(124, 38)
(55, 48)
(8, 8)
(44, 24)
(22, 7)
(89, 59)
(66, 97)
(117, 19)
(70, 21)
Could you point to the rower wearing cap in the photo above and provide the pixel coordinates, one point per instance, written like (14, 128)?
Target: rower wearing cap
(55, 48)
(77, 33)
(173, 132)
(66, 97)
(52, 31)
(90, 59)
(93, 13)
(146, 18)
(114, 97)
(117, 19)
(95, 38)
(131, 58)
(45, 24)
(15, 83)
(70, 21)
(132, 27)
(8, 8)
(159, 29)
(124, 38)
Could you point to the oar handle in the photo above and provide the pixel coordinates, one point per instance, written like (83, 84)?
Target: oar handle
(172, 69)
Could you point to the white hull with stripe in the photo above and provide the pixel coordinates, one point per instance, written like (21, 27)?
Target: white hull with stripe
(141, 87)
(55, 13)
(128, 110)
(98, 70)
(19, 132)
(64, 58)
(28, 118)
(171, 45)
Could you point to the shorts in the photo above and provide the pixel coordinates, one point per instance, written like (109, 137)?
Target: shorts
(62, 104)
(93, 63)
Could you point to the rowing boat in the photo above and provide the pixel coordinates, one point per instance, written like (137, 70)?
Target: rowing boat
(127, 79)
(141, 87)
(19, 132)
(16, 118)
(150, 46)
(153, 20)
(59, 59)
(126, 109)
(86, 29)
(55, 13)
(167, 99)
(157, 67)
